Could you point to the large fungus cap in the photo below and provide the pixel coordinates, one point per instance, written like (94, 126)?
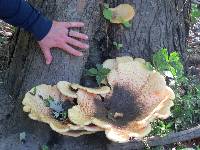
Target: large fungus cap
(65, 88)
(69, 89)
(122, 13)
(77, 133)
(34, 104)
(78, 117)
(100, 90)
(138, 97)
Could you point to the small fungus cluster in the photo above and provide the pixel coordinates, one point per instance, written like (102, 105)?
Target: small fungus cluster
(121, 14)
(133, 96)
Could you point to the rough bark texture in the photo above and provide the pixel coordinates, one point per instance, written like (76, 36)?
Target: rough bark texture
(27, 69)
(157, 24)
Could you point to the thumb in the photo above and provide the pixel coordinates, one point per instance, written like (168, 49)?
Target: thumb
(47, 55)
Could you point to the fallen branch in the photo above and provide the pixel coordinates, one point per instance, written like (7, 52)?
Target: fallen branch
(158, 141)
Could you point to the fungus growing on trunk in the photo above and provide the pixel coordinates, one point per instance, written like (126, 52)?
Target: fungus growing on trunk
(122, 13)
(38, 109)
(133, 98)
(139, 94)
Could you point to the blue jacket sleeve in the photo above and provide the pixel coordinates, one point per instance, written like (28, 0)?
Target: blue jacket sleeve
(20, 13)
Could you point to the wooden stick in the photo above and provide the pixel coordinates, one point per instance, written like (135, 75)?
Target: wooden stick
(158, 141)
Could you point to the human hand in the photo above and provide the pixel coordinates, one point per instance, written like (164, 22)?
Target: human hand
(61, 37)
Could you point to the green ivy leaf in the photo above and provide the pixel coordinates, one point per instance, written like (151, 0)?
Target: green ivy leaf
(174, 56)
(115, 44)
(149, 66)
(34, 91)
(120, 46)
(100, 73)
(169, 125)
(165, 54)
(99, 67)
(161, 59)
(104, 71)
(126, 24)
(107, 13)
(176, 64)
(99, 78)
(92, 72)
(48, 101)
(64, 114)
(106, 5)
(173, 71)
(45, 147)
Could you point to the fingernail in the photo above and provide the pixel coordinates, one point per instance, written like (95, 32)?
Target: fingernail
(48, 62)
(86, 37)
(81, 54)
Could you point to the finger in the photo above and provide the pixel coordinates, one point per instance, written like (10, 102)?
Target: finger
(76, 43)
(48, 56)
(78, 35)
(71, 50)
(74, 24)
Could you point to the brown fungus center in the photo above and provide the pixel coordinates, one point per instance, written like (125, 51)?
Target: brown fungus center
(122, 102)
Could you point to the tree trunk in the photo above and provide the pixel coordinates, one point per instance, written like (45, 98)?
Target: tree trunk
(157, 24)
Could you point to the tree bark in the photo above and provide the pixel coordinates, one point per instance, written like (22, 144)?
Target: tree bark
(157, 24)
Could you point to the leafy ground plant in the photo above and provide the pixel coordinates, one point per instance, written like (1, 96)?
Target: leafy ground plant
(185, 112)
(163, 61)
(99, 73)
(195, 13)
(161, 128)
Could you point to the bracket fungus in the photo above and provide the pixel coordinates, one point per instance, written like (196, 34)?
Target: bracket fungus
(122, 13)
(36, 105)
(133, 98)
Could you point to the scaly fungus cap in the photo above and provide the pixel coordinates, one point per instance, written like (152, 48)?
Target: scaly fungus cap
(134, 97)
(34, 104)
(138, 97)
